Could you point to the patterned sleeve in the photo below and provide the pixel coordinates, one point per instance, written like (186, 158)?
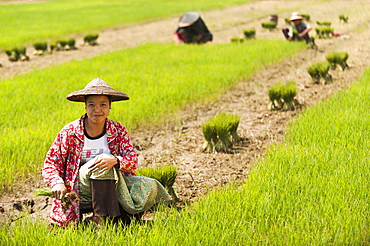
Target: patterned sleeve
(54, 163)
(127, 152)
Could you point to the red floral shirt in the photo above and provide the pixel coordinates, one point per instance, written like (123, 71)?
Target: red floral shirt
(63, 160)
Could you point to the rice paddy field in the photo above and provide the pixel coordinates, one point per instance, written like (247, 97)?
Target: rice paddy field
(310, 189)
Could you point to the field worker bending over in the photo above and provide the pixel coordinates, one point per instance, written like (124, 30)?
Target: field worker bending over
(94, 158)
(299, 31)
(191, 29)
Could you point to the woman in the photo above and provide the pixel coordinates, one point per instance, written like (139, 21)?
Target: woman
(299, 30)
(93, 156)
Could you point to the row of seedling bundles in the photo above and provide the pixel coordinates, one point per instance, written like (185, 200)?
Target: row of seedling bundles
(220, 132)
(282, 95)
(17, 54)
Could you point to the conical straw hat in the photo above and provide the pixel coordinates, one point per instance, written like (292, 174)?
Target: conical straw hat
(97, 87)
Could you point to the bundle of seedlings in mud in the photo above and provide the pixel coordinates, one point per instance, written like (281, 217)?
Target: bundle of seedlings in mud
(165, 174)
(323, 23)
(275, 96)
(282, 96)
(249, 34)
(289, 91)
(62, 44)
(17, 54)
(324, 32)
(307, 17)
(320, 70)
(66, 200)
(91, 38)
(40, 48)
(71, 44)
(338, 59)
(237, 40)
(343, 18)
(270, 25)
(220, 132)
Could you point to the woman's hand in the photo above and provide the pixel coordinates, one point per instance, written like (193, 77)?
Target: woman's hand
(58, 191)
(104, 163)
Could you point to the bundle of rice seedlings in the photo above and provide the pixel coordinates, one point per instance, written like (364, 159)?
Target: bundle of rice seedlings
(40, 47)
(270, 25)
(323, 23)
(166, 175)
(289, 91)
(306, 16)
(250, 33)
(71, 44)
(13, 54)
(53, 46)
(43, 192)
(338, 59)
(237, 40)
(320, 70)
(324, 32)
(275, 96)
(343, 18)
(91, 38)
(220, 132)
(22, 53)
(63, 44)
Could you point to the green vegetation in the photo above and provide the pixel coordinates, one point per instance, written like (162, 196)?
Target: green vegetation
(250, 33)
(310, 190)
(338, 59)
(220, 132)
(320, 70)
(307, 17)
(270, 25)
(91, 39)
(324, 32)
(165, 174)
(343, 18)
(155, 76)
(282, 96)
(323, 23)
(42, 20)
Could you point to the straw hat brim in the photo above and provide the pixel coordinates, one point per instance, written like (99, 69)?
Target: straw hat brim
(297, 17)
(79, 96)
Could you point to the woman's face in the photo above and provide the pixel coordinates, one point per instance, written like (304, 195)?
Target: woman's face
(97, 108)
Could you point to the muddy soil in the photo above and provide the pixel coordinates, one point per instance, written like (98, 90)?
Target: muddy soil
(259, 127)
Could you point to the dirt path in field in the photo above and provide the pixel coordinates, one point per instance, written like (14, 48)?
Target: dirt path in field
(259, 127)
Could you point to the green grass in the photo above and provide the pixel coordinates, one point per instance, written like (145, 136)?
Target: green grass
(310, 190)
(49, 20)
(159, 79)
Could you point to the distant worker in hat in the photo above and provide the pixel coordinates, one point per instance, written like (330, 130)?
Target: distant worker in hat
(93, 158)
(191, 29)
(299, 30)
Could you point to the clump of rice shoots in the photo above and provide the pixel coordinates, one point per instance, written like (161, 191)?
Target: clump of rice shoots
(237, 40)
(249, 34)
(324, 32)
(306, 16)
(275, 96)
(323, 23)
(270, 25)
(42, 192)
(289, 91)
(63, 44)
(343, 18)
(91, 38)
(320, 70)
(40, 47)
(210, 134)
(71, 44)
(338, 59)
(13, 54)
(220, 132)
(166, 175)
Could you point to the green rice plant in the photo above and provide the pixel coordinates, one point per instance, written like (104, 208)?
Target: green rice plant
(338, 59)
(91, 38)
(220, 132)
(324, 32)
(307, 17)
(71, 44)
(237, 40)
(53, 46)
(323, 23)
(275, 95)
(42, 192)
(165, 174)
(249, 33)
(270, 25)
(320, 70)
(288, 93)
(62, 44)
(40, 47)
(13, 54)
(343, 18)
